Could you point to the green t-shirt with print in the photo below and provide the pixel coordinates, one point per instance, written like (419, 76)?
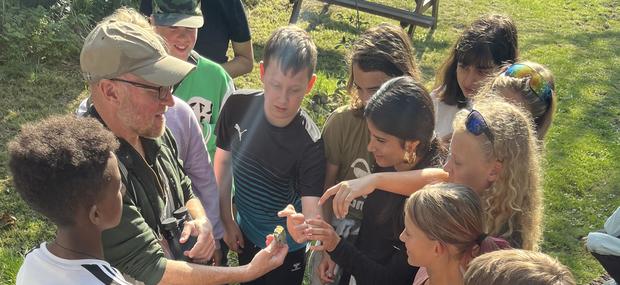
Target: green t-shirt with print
(206, 89)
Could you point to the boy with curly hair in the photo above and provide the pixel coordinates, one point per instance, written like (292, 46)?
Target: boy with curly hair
(65, 168)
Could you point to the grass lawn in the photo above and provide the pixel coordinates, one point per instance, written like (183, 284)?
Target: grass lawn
(578, 40)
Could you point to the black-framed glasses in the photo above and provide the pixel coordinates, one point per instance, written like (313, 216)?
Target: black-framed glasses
(476, 125)
(162, 91)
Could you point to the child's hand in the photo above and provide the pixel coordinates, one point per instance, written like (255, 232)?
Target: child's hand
(295, 223)
(346, 191)
(233, 237)
(327, 269)
(322, 231)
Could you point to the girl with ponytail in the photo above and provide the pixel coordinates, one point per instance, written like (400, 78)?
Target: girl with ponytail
(443, 232)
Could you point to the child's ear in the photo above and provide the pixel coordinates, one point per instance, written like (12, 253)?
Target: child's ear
(93, 215)
(495, 172)
(261, 65)
(439, 248)
(311, 83)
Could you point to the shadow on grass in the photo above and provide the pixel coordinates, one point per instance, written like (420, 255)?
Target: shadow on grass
(584, 144)
(428, 44)
(590, 92)
(333, 21)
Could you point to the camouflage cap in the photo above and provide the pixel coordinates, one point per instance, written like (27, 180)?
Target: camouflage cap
(177, 13)
(116, 48)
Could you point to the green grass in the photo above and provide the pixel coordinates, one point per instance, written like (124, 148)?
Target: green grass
(29, 93)
(578, 40)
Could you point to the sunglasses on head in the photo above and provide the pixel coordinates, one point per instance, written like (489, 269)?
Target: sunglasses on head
(476, 125)
(537, 82)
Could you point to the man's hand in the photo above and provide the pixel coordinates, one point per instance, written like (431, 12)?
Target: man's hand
(346, 191)
(327, 269)
(205, 243)
(322, 231)
(295, 223)
(233, 236)
(267, 259)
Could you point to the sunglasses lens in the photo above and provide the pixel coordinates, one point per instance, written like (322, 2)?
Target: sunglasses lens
(518, 70)
(474, 123)
(537, 83)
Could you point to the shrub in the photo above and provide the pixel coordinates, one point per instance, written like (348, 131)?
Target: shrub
(51, 31)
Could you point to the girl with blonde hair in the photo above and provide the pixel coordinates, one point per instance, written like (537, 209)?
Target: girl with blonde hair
(444, 232)
(531, 86)
(495, 152)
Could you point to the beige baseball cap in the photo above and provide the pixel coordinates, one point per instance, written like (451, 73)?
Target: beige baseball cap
(115, 48)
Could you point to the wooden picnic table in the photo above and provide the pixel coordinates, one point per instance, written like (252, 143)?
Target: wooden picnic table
(406, 17)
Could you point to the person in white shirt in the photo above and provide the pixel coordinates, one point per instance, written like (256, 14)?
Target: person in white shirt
(605, 246)
(484, 46)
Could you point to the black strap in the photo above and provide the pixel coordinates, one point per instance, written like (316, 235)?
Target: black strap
(98, 273)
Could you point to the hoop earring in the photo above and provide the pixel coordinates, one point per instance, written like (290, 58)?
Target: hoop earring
(409, 157)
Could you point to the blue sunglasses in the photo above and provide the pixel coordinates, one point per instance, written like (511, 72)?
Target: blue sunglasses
(476, 125)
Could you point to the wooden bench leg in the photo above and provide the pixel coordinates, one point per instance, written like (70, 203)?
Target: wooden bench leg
(435, 13)
(411, 30)
(418, 10)
(295, 13)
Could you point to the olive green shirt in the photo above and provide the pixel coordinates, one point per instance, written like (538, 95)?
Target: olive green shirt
(346, 139)
(132, 246)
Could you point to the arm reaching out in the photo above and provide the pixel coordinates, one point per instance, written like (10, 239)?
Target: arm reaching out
(403, 183)
(183, 273)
